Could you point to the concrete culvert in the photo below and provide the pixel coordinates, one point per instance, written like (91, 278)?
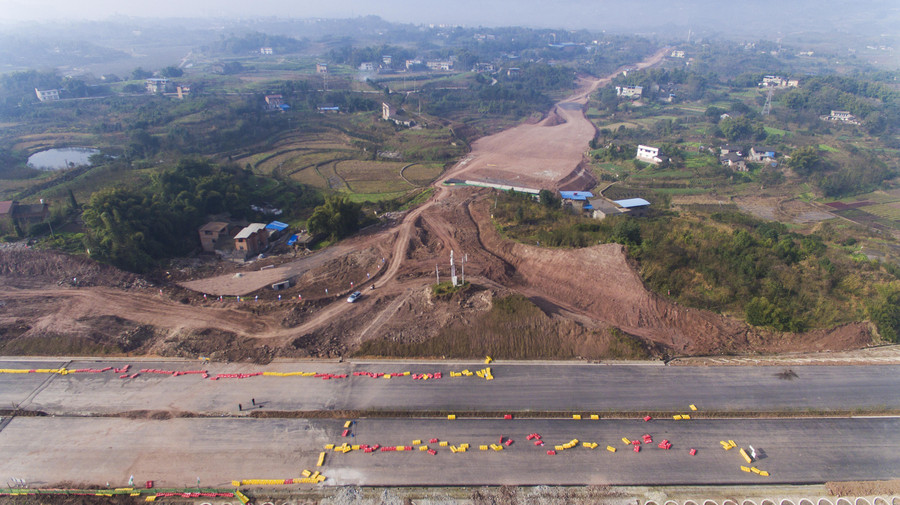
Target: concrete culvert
(729, 502)
(862, 501)
(671, 502)
(654, 503)
(824, 501)
(843, 501)
(690, 502)
(895, 500)
(880, 501)
(710, 502)
(807, 502)
(767, 502)
(748, 502)
(787, 501)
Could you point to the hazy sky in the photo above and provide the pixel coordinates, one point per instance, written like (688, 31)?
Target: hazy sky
(594, 14)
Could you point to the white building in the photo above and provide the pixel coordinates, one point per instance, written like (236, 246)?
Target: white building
(265, 50)
(367, 66)
(629, 91)
(47, 95)
(648, 154)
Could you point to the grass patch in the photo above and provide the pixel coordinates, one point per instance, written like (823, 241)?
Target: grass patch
(826, 147)
(776, 131)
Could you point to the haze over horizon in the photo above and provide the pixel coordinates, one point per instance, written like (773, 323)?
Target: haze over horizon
(570, 14)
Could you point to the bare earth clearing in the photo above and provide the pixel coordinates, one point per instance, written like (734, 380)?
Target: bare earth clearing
(590, 290)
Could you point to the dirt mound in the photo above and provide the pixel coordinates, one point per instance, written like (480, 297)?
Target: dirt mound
(215, 344)
(31, 268)
(553, 119)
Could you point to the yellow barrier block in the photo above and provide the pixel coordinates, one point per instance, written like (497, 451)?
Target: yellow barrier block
(451, 417)
(586, 444)
(745, 469)
(731, 443)
(386, 376)
(316, 474)
(453, 449)
(423, 448)
(763, 473)
(464, 446)
(594, 417)
(454, 374)
(270, 373)
(754, 470)
(347, 449)
(321, 459)
(355, 447)
(677, 417)
(236, 483)
(348, 424)
(400, 448)
(461, 449)
(686, 416)
(610, 448)
(489, 377)
(576, 416)
(745, 456)
(498, 448)
(320, 479)
(466, 372)
(124, 489)
(443, 443)
(487, 359)
(306, 473)
(626, 441)
(693, 407)
(329, 446)
(406, 373)
(150, 498)
(240, 496)
(134, 494)
(417, 442)
(482, 447)
(559, 448)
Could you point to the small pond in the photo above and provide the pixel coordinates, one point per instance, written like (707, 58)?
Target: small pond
(56, 159)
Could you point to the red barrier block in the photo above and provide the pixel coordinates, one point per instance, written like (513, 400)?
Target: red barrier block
(509, 416)
(345, 433)
(433, 441)
(637, 448)
(693, 452)
(432, 452)
(509, 442)
(551, 452)
(647, 418)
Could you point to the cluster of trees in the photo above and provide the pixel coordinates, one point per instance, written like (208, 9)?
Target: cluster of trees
(337, 218)
(133, 227)
(877, 105)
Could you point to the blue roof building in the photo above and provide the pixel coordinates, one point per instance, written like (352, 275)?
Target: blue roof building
(576, 195)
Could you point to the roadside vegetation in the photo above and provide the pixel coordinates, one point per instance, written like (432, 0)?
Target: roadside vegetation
(728, 262)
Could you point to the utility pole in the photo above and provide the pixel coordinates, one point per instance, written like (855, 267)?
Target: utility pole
(437, 274)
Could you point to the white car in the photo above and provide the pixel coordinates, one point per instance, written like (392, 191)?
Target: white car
(355, 296)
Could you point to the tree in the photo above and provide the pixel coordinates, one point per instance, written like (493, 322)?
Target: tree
(171, 71)
(338, 217)
(884, 311)
(548, 199)
(806, 160)
(139, 73)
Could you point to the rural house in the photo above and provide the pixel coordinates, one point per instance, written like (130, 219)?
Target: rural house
(648, 154)
(635, 207)
(761, 154)
(47, 95)
(24, 215)
(214, 235)
(629, 91)
(252, 239)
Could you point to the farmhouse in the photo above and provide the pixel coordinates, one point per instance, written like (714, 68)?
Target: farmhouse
(47, 95)
(24, 215)
(265, 50)
(635, 207)
(321, 68)
(214, 235)
(629, 91)
(760, 154)
(841, 116)
(734, 161)
(156, 85)
(601, 208)
(648, 154)
(252, 239)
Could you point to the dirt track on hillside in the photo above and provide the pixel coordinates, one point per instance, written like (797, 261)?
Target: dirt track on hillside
(595, 287)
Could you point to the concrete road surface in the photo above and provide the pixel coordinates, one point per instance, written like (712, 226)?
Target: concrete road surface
(516, 387)
(47, 450)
